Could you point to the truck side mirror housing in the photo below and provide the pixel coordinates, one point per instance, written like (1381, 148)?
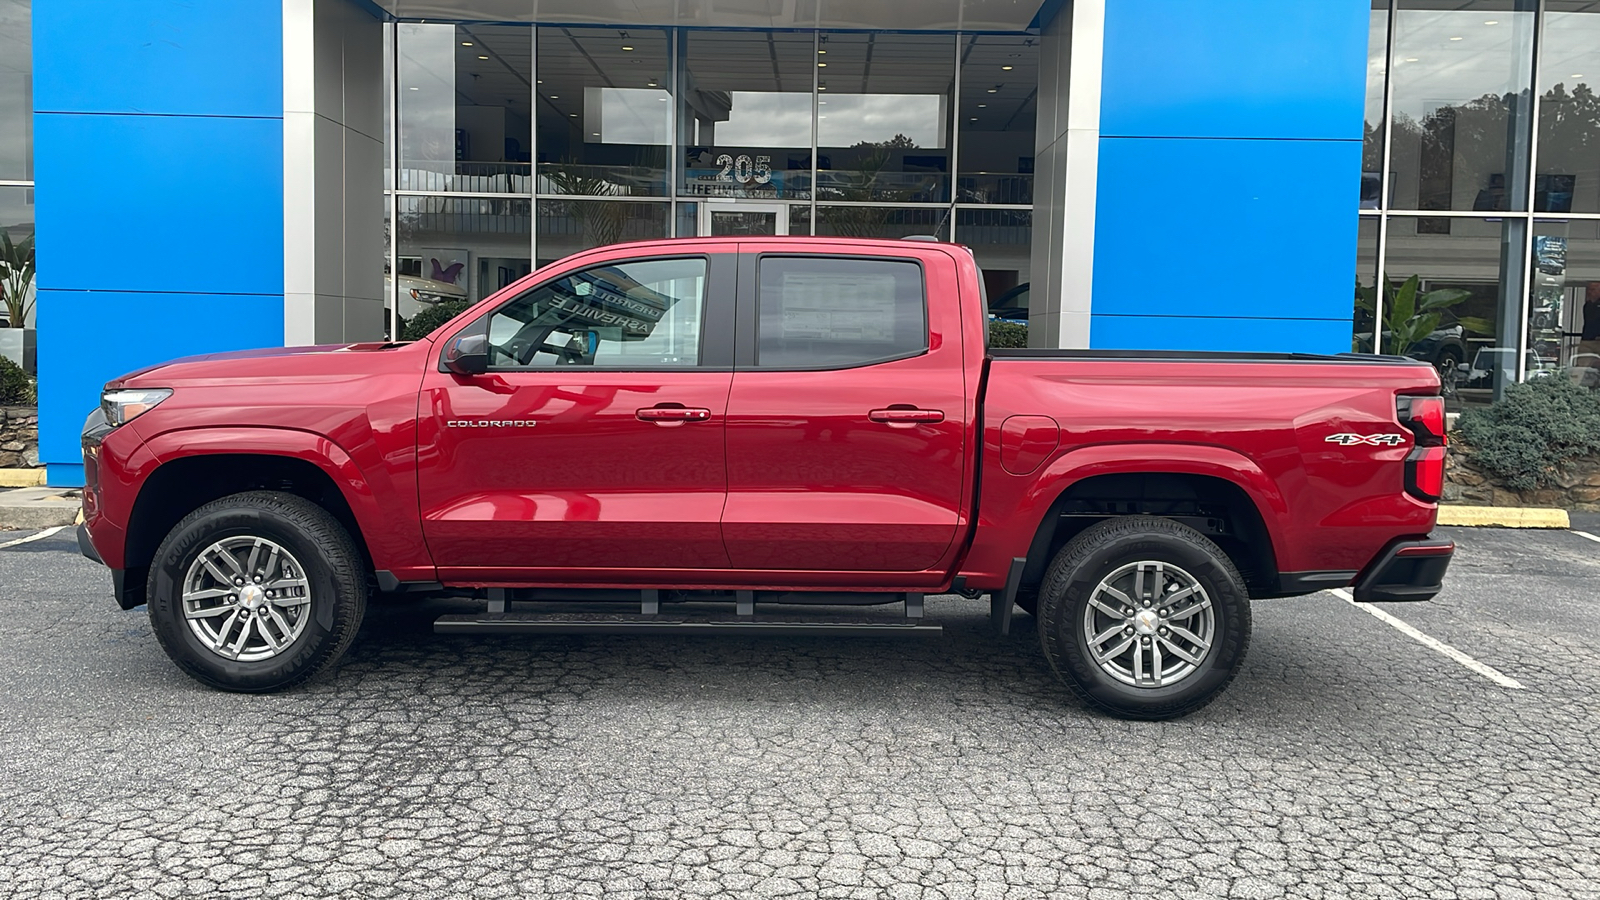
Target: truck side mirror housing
(467, 353)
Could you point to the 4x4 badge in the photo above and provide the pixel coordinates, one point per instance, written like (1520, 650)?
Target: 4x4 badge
(1378, 440)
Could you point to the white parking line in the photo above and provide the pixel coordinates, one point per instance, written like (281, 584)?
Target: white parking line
(1431, 643)
(32, 537)
(1587, 535)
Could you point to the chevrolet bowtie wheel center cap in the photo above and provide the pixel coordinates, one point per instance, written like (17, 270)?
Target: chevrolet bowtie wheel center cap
(252, 596)
(1145, 621)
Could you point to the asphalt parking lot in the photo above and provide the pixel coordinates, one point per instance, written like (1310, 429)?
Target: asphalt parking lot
(1347, 760)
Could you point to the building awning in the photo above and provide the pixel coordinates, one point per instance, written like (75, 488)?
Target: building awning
(897, 15)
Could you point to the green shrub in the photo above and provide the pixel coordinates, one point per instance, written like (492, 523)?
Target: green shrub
(423, 323)
(1522, 438)
(16, 388)
(1004, 335)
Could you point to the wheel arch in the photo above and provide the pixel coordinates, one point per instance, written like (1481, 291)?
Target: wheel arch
(1175, 482)
(182, 483)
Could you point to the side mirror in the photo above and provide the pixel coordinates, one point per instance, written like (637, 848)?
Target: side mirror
(466, 354)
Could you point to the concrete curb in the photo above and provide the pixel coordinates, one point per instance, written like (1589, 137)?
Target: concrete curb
(32, 508)
(10, 478)
(1503, 517)
(34, 518)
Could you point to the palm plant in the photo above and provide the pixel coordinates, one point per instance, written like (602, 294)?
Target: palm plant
(1407, 316)
(16, 277)
(600, 223)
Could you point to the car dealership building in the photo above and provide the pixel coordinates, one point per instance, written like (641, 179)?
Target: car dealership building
(1165, 174)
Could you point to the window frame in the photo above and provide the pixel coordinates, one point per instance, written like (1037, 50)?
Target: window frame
(716, 308)
(748, 341)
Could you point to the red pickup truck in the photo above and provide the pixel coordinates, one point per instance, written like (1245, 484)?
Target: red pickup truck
(769, 434)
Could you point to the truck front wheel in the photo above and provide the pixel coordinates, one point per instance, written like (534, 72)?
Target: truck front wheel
(1144, 618)
(256, 592)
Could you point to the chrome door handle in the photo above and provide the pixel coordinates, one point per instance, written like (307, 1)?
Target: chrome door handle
(672, 416)
(906, 416)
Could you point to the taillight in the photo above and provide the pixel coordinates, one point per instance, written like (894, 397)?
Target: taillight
(1424, 416)
(1425, 473)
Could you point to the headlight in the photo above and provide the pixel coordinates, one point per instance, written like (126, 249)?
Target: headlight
(123, 406)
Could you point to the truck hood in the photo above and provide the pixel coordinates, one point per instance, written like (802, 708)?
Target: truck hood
(263, 353)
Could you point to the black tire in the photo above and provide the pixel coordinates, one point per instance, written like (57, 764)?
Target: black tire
(333, 573)
(1110, 547)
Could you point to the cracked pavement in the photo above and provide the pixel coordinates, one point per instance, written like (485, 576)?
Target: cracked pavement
(1345, 761)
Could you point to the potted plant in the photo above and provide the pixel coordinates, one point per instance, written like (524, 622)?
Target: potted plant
(16, 290)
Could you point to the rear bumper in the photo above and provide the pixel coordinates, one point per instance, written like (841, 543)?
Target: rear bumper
(1406, 570)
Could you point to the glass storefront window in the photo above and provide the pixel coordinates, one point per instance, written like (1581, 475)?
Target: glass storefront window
(459, 247)
(1564, 309)
(16, 90)
(604, 113)
(1372, 132)
(465, 120)
(800, 219)
(883, 128)
(1567, 178)
(16, 220)
(644, 133)
(1483, 329)
(744, 117)
(1366, 293)
(999, 90)
(1001, 242)
(568, 226)
(883, 221)
(1461, 106)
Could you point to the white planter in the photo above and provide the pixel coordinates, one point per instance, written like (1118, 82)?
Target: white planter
(16, 344)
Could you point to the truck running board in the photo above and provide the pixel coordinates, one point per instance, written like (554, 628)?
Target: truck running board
(611, 623)
(499, 619)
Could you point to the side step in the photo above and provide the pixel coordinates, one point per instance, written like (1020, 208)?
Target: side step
(499, 619)
(623, 623)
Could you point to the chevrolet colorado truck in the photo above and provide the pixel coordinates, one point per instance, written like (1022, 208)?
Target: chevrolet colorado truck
(780, 435)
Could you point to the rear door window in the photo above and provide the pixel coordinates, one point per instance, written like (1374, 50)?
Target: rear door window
(838, 312)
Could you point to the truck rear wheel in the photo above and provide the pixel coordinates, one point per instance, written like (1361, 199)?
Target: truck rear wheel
(1144, 618)
(256, 592)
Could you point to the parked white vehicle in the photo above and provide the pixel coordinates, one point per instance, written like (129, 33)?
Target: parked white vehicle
(417, 293)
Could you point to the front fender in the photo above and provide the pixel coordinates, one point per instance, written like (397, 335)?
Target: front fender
(385, 513)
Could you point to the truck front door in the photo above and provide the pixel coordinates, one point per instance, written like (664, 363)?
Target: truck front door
(847, 423)
(594, 443)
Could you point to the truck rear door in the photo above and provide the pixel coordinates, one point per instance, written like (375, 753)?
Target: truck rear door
(847, 421)
(594, 442)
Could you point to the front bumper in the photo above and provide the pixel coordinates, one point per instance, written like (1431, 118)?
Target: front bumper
(127, 586)
(1407, 570)
(86, 547)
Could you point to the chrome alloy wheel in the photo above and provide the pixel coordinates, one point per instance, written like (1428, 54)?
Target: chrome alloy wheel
(246, 598)
(1149, 624)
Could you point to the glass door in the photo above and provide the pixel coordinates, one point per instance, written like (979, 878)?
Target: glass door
(743, 219)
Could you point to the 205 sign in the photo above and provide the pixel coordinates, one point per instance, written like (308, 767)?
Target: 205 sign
(745, 169)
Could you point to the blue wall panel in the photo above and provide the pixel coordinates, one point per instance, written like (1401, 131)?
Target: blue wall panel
(158, 145)
(193, 203)
(112, 333)
(1241, 334)
(1260, 229)
(1230, 152)
(1241, 68)
(183, 57)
